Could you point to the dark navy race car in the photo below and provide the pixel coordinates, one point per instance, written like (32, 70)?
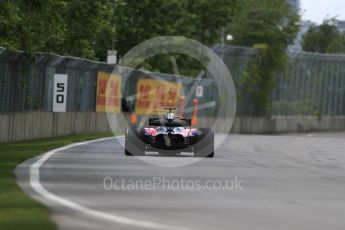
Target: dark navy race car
(169, 135)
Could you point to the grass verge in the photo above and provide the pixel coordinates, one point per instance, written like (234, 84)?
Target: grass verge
(17, 209)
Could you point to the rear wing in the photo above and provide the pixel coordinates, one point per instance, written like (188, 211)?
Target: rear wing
(174, 123)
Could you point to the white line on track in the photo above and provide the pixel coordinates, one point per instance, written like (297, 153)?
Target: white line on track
(37, 186)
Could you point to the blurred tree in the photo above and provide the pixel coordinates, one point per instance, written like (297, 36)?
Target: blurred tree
(34, 25)
(84, 28)
(79, 28)
(202, 20)
(9, 19)
(88, 28)
(325, 38)
(270, 26)
(41, 27)
(271, 22)
(137, 21)
(210, 17)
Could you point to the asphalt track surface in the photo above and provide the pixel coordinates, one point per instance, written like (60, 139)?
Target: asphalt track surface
(283, 182)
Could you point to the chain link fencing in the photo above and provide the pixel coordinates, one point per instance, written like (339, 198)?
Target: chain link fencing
(311, 84)
(26, 82)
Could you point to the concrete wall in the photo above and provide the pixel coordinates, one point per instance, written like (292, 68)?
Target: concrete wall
(32, 125)
(288, 124)
(23, 126)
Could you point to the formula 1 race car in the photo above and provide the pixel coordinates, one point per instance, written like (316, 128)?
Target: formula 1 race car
(169, 136)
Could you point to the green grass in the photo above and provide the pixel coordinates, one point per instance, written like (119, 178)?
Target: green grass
(17, 209)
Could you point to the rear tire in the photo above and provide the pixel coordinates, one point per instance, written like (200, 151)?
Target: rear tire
(134, 142)
(127, 153)
(204, 146)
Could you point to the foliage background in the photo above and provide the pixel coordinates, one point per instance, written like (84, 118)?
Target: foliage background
(88, 28)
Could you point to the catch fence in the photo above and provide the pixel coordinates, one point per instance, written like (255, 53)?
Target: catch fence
(310, 84)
